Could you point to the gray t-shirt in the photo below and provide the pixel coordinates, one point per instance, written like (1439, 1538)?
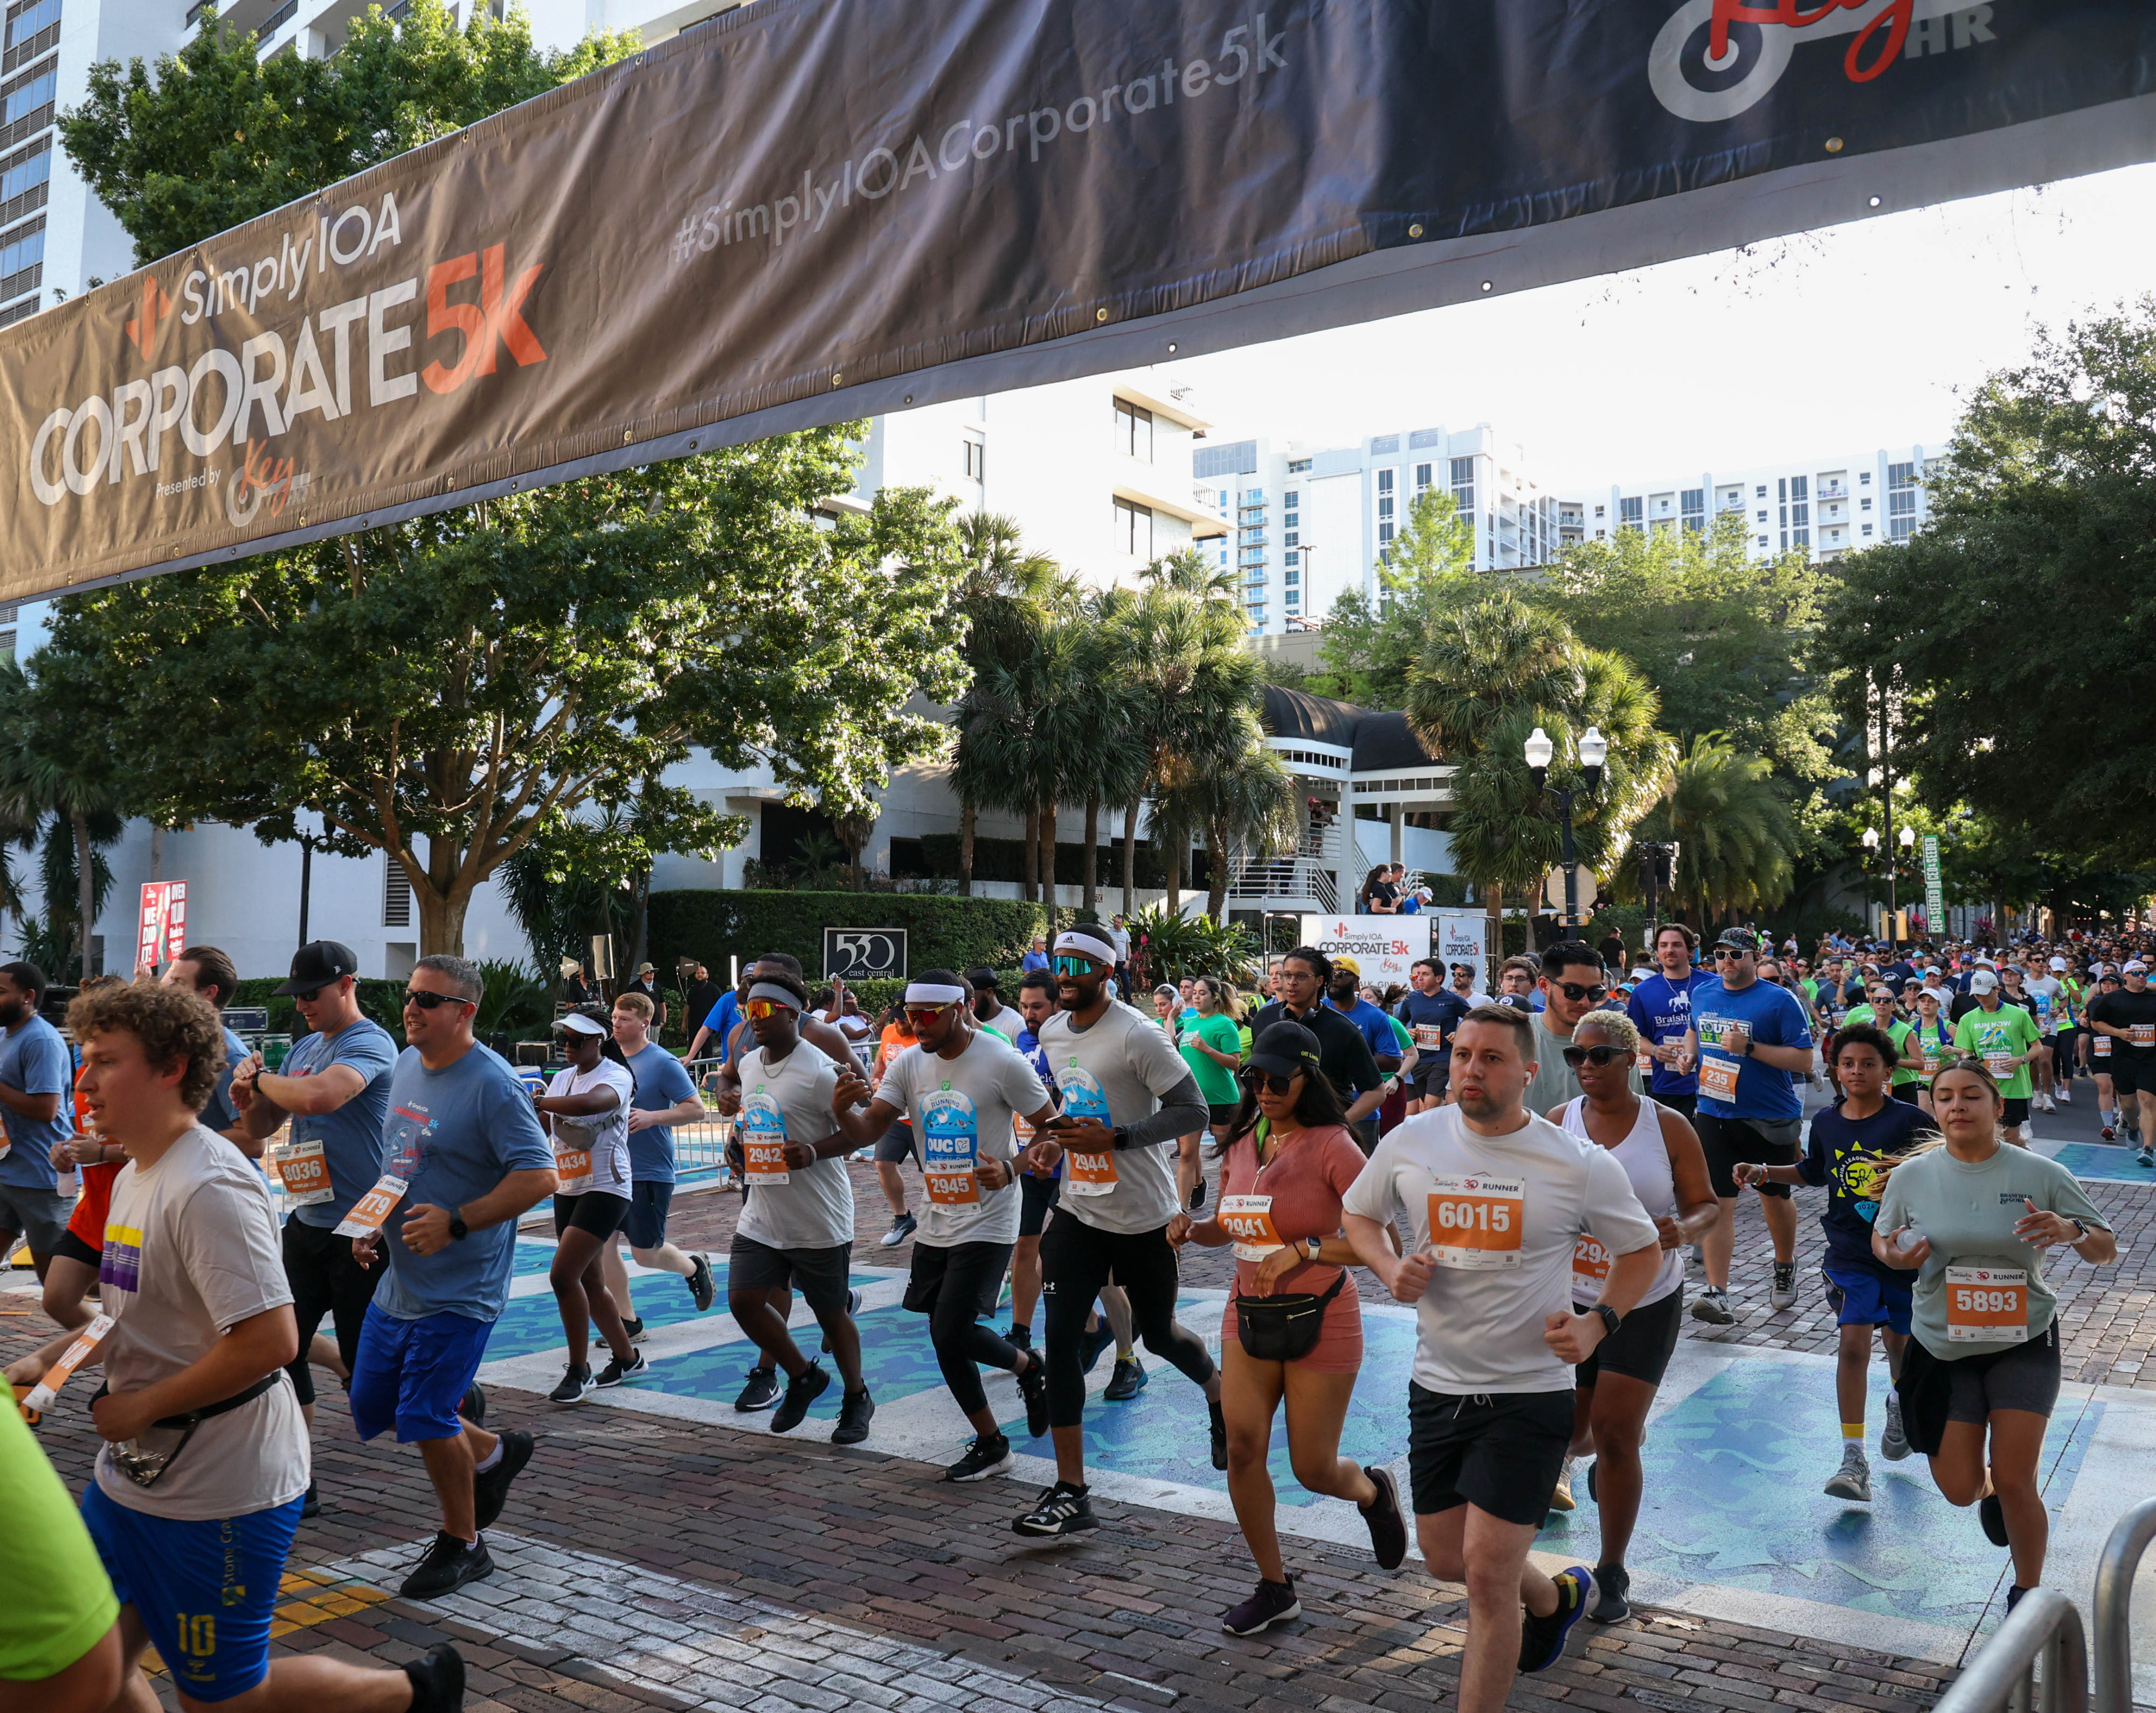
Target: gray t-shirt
(1115, 1073)
(351, 1136)
(961, 1109)
(1554, 1083)
(791, 1097)
(191, 1250)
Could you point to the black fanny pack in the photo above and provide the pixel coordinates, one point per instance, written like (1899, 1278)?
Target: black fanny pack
(1283, 1329)
(146, 1460)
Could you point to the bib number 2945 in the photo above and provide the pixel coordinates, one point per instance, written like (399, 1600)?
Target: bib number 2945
(1475, 1222)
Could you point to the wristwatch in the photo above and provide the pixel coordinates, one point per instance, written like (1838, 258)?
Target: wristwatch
(458, 1229)
(1316, 1245)
(2080, 1230)
(1611, 1319)
(1119, 1138)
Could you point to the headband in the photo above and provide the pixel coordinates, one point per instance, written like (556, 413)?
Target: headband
(1090, 942)
(933, 993)
(775, 994)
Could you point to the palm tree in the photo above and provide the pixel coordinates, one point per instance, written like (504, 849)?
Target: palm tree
(1191, 570)
(53, 763)
(1246, 801)
(1736, 838)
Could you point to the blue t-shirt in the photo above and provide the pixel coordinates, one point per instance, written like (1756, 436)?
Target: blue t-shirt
(1376, 1027)
(1033, 960)
(351, 1136)
(1772, 1017)
(660, 1082)
(1662, 1011)
(724, 1016)
(1845, 1155)
(34, 1059)
(1440, 1011)
(458, 1131)
(220, 1114)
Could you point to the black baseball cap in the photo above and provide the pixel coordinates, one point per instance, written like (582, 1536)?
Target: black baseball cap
(984, 979)
(1285, 1049)
(318, 963)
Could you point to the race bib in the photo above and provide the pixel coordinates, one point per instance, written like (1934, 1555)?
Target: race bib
(2102, 1047)
(302, 1170)
(1718, 1078)
(574, 1167)
(2143, 1034)
(1931, 1064)
(763, 1140)
(1645, 1061)
(1987, 1305)
(1089, 1174)
(2001, 1065)
(950, 1145)
(1248, 1219)
(73, 1357)
(1475, 1222)
(371, 1209)
(1590, 1267)
(1429, 1035)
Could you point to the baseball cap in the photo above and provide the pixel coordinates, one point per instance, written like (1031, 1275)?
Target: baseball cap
(576, 1023)
(1982, 982)
(2058, 963)
(1739, 940)
(1285, 1049)
(984, 979)
(318, 963)
(1345, 962)
(2135, 967)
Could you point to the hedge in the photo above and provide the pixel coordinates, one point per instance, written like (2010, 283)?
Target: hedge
(711, 926)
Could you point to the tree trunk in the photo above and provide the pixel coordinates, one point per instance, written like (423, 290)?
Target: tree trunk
(640, 933)
(442, 920)
(967, 816)
(1130, 859)
(1048, 863)
(1173, 856)
(85, 893)
(1033, 854)
(1092, 867)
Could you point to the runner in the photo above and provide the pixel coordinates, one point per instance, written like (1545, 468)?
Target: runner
(1661, 1009)
(2014, 990)
(797, 1224)
(1854, 1146)
(464, 1157)
(1212, 1046)
(1292, 1329)
(61, 1652)
(198, 1489)
(208, 972)
(1973, 1220)
(1573, 984)
(1616, 1385)
(895, 1147)
(2127, 1018)
(2102, 1050)
(1749, 1041)
(1883, 1010)
(2006, 1038)
(585, 1111)
(664, 1097)
(36, 1074)
(2069, 998)
(1431, 1012)
(1490, 1410)
(1299, 985)
(962, 1086)
(989, 1011)
(1342, 995)
(1125, 1094)
(1930, 1044)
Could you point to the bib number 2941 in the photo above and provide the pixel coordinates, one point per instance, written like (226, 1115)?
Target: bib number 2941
(1475, 1222)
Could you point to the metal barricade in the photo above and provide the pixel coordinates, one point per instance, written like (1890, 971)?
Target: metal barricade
(2113, 1614)
(2045, 1628)
(702, 1145)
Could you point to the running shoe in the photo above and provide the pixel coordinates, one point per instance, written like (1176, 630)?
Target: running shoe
(634, 1330)
(1198, 1195)
(2109, 1132)
(1275, 1603)
(1219, 1436)
(311, 1506)
(2146, 1157)
(1853, 1480)
(761, 1391)
(1033, 1387)
(1561, 1497)
(804, 1389)
(1994, 1518)
(702, 1285)
(1382, 1516)
(473, 1409)
(1893, 1442)
(1612, 1583)
(986, 1454)
(577, 1384)
(856, 1410)
(449, 1564)
(2015, 1590)
(1063, 1510)
(490, 1487)
(617, 1371)
(902, 1228)
(1098, 1337)
(853, 1308)
(1022, 1336)
(1712, 1305)
(1541, 1639)
(1783, 1293)
(437, 1680)
(1128, 1380)
(2066, 1095)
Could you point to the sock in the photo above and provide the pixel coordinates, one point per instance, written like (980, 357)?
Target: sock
(2109, 1118)
(1853, 1431)
(1127, 1352)
(491, 1458)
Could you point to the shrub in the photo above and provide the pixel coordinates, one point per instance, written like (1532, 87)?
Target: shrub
(953, 933)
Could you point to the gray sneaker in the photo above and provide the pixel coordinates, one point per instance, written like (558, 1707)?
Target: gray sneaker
(1712, 1305)
(1893, 1443)
(1782, 1294)
(1853, 1480)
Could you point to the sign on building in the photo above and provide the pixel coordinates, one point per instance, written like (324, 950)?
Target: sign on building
(1465, 938)
(1383, 947)
(162, 933)
(863, 954)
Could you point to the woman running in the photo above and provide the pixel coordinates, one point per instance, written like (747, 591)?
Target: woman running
(1661, 1156)
(586, 1110)
(1973, 1220)
(1931, 1048)
(1290, 1159)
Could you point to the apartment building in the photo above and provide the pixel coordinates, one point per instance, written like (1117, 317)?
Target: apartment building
(1826, 506)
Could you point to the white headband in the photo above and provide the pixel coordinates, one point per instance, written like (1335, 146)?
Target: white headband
(1088, 941)
(933, 993)
(775, 994)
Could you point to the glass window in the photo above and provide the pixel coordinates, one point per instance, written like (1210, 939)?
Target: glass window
(1296, 466)
(1630, 512)
(1291, 539)
(1133, 530)
(24, 174)
(1291, 578)
(976, 457)
(24, 252)
(32, 95)
(1384, 481)
(1134, 430)
(1385, 534)
(27, 24)
(1693, 504)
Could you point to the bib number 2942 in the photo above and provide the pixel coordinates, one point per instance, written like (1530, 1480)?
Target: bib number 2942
(1475, 1222)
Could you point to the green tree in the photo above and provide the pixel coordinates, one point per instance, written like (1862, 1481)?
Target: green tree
(1737, 839)
(1244, 801)
(1370, 648)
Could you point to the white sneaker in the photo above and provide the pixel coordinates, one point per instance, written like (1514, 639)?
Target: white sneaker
(2065, 1097)
(2026, 1135)
(2044, 1104)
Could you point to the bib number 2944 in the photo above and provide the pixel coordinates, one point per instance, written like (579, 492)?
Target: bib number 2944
(1475, 1222)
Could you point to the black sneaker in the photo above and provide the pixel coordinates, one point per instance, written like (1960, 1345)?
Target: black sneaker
(1098, 1337)
(437, 1680)
(1063, 1510)
(1197, 1202)
(473, 1409)
(702, 1285)
(761, 1391)
(803, 1390)
(1220, 1434)
(1389, 1528)
(576, 1385)
(1033, 1387)
(634, 1329)
(449, 1565)
(1275, 1603)
(1994, 1518)
(856, 1410)
(1541, 1639)
(853, 1308)
(311, 1506)
(1128, 1380)
(490, 1487)
(617, 1371)
(1612, 1583)
(902, 1228)
(1022, 1336)
(985, 1455)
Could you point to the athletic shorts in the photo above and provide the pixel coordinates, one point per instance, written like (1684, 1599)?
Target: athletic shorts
(1035, 1197)
(2128, 1073)
(1641, 1347)
(1500, 1453)
(1217, 1112)
(39, 1215)
(2017, 1111)
(820, 1275)
(2023, 1376)
(1728, 1140)
(1686, 1105)
(1430, 1084)
(896, 1146)
(413, 1375)
(1868, 1296)
(979, 1267)
(1905, 1092)
(326, 1278)
(594, 1211)
(76, 1249)
(644, 1224)
(205, 1592)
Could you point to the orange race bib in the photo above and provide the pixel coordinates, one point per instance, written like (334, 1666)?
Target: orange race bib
(1475, 1222)
(1089, 1174)
(574, 1167)
(302, 1170)
(1429, 1035)
(763, 1157)
(1987, 1305)
(1248, 1219)
(1590, 1267)
(2143, 1034)
(2102, 1047)
(2001, 1065)
(1931, 1064)
(1646, 1062)
(371, 1209)
(73, 1357)
(1718, 1078)
(956, 1188)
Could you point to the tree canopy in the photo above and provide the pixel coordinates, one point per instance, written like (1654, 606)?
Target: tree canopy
(1371, 647)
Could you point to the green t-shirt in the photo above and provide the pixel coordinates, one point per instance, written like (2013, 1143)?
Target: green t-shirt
(2009, 1030)
(1969, 1212)
(58, 1599)
(1898, 1031)
(1216, 1082)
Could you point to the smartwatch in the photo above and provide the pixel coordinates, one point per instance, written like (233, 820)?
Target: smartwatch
(458, 1229)
(1315, 1246)
(1611, 1319)
(1119, 1138)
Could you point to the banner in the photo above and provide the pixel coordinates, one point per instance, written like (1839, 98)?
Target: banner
(1465, 938)
(162, 933)
(1383, 947)
(806, 211)
(1935, 913)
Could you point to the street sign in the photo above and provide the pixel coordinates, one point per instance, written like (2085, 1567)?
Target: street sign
(1935, 909)
(1553, 891)
(162, 933)
(863, 954)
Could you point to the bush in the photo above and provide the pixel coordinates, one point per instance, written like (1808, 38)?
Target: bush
(711, 926)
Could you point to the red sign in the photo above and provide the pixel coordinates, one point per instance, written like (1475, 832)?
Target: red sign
(162, 934)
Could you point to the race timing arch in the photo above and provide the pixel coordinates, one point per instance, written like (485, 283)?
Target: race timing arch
(807, 211)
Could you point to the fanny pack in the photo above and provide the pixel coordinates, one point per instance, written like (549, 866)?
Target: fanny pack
(145, 1460)
(1283, 1329)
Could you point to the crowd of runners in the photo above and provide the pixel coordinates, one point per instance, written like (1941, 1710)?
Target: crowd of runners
(1534, 1162)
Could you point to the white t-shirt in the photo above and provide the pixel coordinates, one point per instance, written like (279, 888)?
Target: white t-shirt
(1007, 1021)
(813, 1209)
(1519, 1201)
(191, 1250)
(1115, 1073)
(961, 1109)
(605, 1135)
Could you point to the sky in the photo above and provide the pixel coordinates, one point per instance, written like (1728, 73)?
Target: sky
(1841, 340)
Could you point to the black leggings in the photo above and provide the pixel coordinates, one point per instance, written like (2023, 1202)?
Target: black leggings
(954, 1287)
(1076, 1259)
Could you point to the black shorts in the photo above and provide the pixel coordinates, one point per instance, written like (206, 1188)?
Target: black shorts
(1640, 1347)
(1221, 1113)
(2017, 1111)
(594, 1211)
(2129, 1072)
(975, 1268)
(644, 1224)
(1905, 1091)
(1728, 1140)
(76, 1249)
(895, 1145)
(326, 1278)
(1500, 1453)
(820, 1275)
(2023, 1376)
(1686, 1105)
(1035, 1197)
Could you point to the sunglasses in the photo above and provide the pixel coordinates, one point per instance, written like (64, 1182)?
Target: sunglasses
(919, 1014)
(1573, 992)
(427, 1002)
(1065, 964)
(1722, 952)
(310, 995)
(1254, 1080)
(1598, 1057)
(761, 1008)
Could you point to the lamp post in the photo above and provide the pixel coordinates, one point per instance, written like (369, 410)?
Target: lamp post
(1871, 843)
(308, 841)
(1593, 751)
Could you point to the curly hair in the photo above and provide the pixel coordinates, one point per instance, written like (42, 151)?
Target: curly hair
(172, 1023)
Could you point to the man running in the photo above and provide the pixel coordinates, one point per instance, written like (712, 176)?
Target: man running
(1661, 1009)
(1432, 1012)
(2006, 1038)
(1300, 982)
(36, 1074)
(1496, 1199)
(1343, 995)
(989, 1011)
(1126, 1093)
(2126, 1018)
(209, 972)
(1573, 983)
(664, 1097)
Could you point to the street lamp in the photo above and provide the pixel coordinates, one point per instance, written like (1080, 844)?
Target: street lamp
(1593, 751)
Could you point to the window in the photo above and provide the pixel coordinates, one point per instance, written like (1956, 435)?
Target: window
(1763, 540)
(1762, 517)
(1290, 519)
(27, 23)
(1385, 534)
(1422, 480)
(27, 98)
(1901, 501)
(25, 252)
(26, 175)
(1291, 578)
(976, 456)
(1694, 507)
(1291, 539)
(1134, 430)
(1296, 466)
(1867, 528)
(1292, 498)
(1863, 478)
(1760, 493)
(1384, 505)
(1629, 512)
(1134, 530)
(396, 893)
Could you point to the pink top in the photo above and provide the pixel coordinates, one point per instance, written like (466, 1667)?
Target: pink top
(1305, 1179)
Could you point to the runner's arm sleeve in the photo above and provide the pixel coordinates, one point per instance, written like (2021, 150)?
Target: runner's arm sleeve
(1182, 1111)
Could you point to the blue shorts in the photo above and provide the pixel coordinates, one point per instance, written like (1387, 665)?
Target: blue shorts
(205, 1592)
(1861, 1297)
(413, 1374)
(645, 1225)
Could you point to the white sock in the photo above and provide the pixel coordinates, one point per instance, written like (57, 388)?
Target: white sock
(490, 1459)
(2109, 1118)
